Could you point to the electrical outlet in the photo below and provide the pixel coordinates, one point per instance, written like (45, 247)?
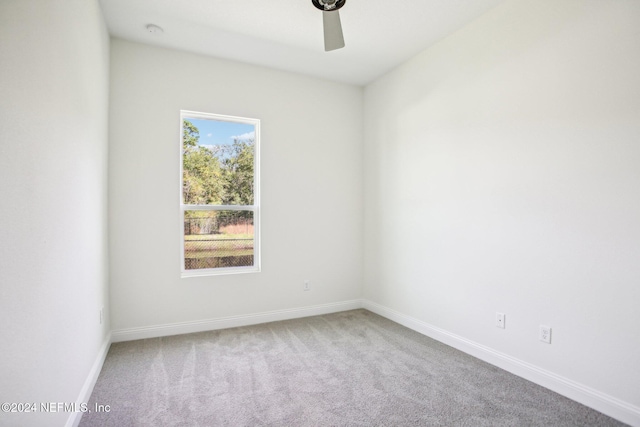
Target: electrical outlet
(101, 314)
(307, 285)
(545, 334)
(500, 320)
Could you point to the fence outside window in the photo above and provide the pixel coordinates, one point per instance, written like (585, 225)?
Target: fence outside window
(223, 239)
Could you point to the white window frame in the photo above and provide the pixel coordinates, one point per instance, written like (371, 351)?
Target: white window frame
(255, 208)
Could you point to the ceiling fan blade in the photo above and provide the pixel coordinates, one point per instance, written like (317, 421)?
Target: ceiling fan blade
(333, 38)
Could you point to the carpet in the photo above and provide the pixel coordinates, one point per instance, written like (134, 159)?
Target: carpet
(352, 368)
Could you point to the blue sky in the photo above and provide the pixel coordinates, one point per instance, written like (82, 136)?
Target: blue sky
(214, 132)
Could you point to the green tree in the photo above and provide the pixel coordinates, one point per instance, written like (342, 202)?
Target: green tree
(190, 134)
(202, 175)
(238, 173)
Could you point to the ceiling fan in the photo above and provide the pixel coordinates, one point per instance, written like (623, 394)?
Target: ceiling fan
(333, 38)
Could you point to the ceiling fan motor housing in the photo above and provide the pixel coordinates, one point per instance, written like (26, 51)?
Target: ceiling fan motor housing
(328, 5)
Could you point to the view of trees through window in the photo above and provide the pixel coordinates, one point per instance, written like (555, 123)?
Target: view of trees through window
(218, 193)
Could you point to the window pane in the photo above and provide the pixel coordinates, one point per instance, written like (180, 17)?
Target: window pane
(217, 162)
(218, 239)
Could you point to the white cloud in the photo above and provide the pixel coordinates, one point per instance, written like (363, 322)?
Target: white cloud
(244, 136)
(209, 135)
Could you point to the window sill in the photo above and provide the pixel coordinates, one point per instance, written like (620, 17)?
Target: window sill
(218, 271)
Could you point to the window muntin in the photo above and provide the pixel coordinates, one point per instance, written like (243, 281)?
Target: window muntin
(219, 159)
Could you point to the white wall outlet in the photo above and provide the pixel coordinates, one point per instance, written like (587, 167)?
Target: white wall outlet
(307, 285)
(500, 320)
(101, 315)
(545, 334)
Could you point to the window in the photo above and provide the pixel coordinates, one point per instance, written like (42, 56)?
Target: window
(219, 200)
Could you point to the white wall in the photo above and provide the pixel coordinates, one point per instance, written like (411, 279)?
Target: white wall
(311, 190)
(502, 173)
(53, 192)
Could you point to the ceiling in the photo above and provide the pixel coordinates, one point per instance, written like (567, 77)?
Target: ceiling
(287, 34)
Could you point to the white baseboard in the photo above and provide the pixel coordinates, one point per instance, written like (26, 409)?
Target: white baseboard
(231, 321)
(588, 396)
(90, 382)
